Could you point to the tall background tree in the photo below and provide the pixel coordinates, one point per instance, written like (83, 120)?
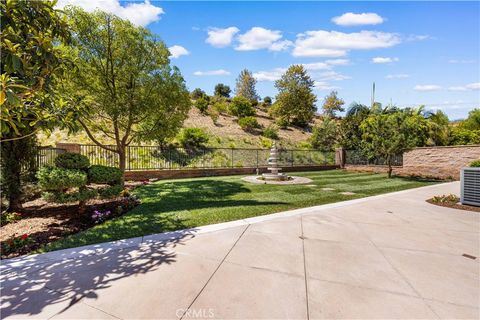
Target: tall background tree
(325, 135)
(332, 104)
(32, 61)
(125, 80)
(295, 101)
(245, 86)
(222, 90)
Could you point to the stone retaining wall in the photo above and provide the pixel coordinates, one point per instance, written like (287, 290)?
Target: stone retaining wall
(140, 175)
(430, 162)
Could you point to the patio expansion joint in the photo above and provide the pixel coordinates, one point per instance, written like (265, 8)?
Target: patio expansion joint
(304, 268)
(400, 273)
(214, 272)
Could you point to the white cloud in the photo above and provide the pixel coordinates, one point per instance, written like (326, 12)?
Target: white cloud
(357, 19)
(467, 87)
(427, 87)
(260, 38)
(219, 72)
(322, 85)
(321, 43)
(384, 60)
(473, 86)
(461, 61)
(177, 51)
(139, 13)
(332, 75)
(337, 62)
(418, 37)
(397, 76)
(220, 38)
(272, 75)
(316, 66)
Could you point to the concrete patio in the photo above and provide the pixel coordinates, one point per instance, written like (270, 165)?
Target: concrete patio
(388, 256)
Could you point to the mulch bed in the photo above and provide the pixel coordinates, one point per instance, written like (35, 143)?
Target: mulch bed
(46, 222)
(455, 205)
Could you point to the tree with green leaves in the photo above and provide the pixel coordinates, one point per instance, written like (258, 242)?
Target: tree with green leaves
(245, 86)
(350, 134)
(325, 135)
(295, 101)
(332, 104)
(33, 61)
(388, 134)
(197, 93)
(125, 80)
(222, 90)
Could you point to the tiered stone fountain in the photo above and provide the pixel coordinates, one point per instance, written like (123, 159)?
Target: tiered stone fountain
(275, 177)
(274, 174)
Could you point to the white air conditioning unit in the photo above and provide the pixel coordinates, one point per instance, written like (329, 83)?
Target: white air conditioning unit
(470, 186)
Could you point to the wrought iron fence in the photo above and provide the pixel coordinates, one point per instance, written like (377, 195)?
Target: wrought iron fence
(357, 157)
(155, 158)
(46, 156)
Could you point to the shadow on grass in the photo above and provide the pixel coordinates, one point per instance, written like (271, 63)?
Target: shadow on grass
(36, 285)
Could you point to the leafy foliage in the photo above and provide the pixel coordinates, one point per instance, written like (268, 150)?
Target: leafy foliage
(271, 132)
(60, 179)
(386, 135)
(449, 198)
(104, 175)
(332, 104)
(245, 86)
(325, 135)
(192, 137)
(248, 124)
(202, 104)
(110, 191)
(241, 107)
(475, 163)
(197, 93)
(222, 90)
(125, 81)
(71, 160)
(295, 101)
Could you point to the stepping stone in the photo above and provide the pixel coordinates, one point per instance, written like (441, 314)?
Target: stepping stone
(328, 189)
(347, 193)
(310, 185)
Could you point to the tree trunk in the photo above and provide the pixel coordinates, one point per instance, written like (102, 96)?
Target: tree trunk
(122, 163)
(390, 169)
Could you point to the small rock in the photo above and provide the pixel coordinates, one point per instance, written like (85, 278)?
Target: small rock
(347, 193)
(328, 189)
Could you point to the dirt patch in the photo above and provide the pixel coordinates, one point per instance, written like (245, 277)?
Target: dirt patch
(455, 205)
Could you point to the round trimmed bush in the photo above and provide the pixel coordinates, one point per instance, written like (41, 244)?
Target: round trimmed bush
(241, 107)
(110, 191)
(71, 160)
(56, 179)
(248, 123)
(475, 163)
(104, 175)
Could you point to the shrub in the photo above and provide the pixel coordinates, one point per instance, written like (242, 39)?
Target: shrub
(266, 143)
(63, 197)
(9, 217)
(110, 192)
(450, 198)
(241, 107)
(197, 93)
(282, 122)
(104, 174)
(202, 104)
(50, 178)
(475, 163)
(214, 115)
(192, 137)
(72, 161)
(248, 123)
(267, 101)
(270, 132)
(220, 106)
(15, 243)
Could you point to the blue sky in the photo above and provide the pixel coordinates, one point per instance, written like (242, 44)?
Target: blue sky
(416, 52)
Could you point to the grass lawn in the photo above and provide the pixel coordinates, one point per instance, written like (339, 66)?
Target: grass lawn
(178, 204)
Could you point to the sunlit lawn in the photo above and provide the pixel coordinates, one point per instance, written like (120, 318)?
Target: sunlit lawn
(178, 204)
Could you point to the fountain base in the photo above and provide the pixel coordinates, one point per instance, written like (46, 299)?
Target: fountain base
(275, 176)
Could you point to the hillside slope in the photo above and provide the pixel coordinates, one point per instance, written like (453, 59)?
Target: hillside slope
(225, 133)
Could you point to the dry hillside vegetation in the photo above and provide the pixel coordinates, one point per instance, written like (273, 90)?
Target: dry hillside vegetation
(225, 133)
